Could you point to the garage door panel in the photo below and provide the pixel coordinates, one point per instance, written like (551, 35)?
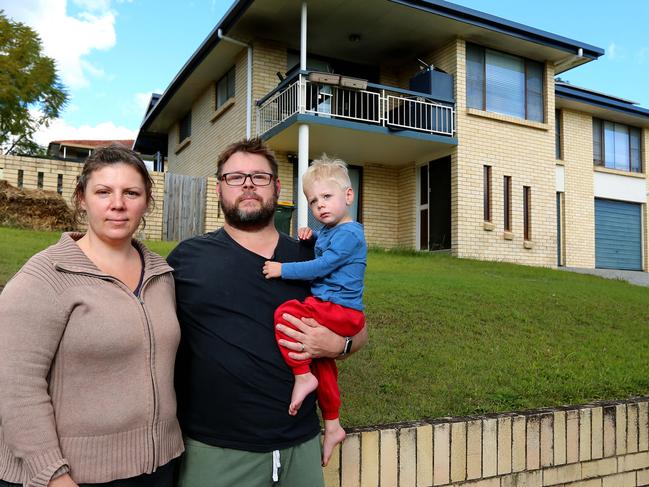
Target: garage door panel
(618, 235)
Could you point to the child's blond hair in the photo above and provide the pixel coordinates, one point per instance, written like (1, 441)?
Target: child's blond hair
(327, 169)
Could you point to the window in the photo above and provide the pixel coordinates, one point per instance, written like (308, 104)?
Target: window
(225, 88)
(59, 183)
(185, 128)
(558, 150)
(39, 181)
(502, 83)
(507, 203)
(486, 175)
(20, 178)
(616, 146)
(527, 217)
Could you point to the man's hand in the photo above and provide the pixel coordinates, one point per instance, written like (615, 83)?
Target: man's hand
(272, 269)
(312, 340)
(304, 233)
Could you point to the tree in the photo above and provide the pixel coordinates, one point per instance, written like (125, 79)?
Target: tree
(31, 94)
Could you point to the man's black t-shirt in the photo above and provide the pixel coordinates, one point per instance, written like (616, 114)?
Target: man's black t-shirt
(232, 385)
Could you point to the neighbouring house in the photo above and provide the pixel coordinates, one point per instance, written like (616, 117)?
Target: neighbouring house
(78, 150)
(457, 134)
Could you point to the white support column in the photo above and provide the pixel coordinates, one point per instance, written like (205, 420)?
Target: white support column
(302, 166)
(303, 37)
(303, 132)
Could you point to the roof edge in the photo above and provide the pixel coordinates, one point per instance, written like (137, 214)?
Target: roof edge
(499, 24)
(597, 99)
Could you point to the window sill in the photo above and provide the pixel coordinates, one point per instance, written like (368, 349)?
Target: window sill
(488, 226)
(560, 162)
(508, 235)
(619, 172)
(528, 244)
(218, 113)
(182, 144)
(508, 119)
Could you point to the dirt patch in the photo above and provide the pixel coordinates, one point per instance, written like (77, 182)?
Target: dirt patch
(34, 208)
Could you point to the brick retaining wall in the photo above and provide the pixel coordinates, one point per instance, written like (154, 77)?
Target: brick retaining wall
(598, 445)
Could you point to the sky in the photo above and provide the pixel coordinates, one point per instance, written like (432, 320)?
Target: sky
(112, 54)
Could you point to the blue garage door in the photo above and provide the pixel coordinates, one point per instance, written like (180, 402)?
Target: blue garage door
(618, 235)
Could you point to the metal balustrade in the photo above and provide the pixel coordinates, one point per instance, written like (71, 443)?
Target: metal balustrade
(278, 108)
(377, 105)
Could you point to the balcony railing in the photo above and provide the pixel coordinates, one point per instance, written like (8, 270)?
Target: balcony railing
(359, 101)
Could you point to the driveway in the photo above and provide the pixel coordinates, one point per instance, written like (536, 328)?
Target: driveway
(634, 277)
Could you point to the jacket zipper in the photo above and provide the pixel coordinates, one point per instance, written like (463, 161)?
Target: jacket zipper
(152, 373)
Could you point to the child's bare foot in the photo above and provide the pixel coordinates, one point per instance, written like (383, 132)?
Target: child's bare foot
(304, 385)
(333, 435)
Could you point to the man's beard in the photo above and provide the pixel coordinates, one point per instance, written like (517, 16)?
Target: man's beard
(249, 220)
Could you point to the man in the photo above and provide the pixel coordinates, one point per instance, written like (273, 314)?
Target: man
(232, 384)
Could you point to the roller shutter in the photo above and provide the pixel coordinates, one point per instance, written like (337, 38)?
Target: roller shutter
(618, 235)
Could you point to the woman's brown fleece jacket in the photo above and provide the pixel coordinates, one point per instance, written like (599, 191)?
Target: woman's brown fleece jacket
(86, 370)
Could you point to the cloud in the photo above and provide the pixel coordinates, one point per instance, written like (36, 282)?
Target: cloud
(93, 5)
(61, 130)
(68, 39)
(611, 50)
(642, 56)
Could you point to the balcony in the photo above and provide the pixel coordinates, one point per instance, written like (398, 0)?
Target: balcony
(339, 101)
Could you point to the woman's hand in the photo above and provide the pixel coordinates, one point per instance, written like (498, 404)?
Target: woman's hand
(63, 481)
(312, 340)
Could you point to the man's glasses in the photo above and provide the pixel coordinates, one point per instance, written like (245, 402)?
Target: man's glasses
(239, 178)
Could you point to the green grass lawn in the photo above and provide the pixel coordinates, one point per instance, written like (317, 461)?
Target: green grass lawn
(452, 337)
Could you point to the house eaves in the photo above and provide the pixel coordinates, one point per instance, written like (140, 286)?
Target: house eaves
(581, 51)
(384, 40)
(600, 105)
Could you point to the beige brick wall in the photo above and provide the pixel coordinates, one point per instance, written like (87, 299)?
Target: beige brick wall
(380, 205)
(285, 177)
(269, 58)
(407, 206)
(211, 130)
(153, 228)
(31, 166)
(213, 216)
(579, 211)
(596, 445)
(50, 168)
(517, 148)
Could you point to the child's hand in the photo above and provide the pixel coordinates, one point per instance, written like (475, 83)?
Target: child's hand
(272, 269)
(304, 233)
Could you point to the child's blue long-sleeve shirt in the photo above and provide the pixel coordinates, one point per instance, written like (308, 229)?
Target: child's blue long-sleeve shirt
(338, 270)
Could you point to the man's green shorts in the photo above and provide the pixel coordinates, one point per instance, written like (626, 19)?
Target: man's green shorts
(210, 466)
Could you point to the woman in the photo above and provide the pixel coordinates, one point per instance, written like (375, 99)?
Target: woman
(88, 337)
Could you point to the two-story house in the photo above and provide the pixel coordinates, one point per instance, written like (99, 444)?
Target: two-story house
(457, 134)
